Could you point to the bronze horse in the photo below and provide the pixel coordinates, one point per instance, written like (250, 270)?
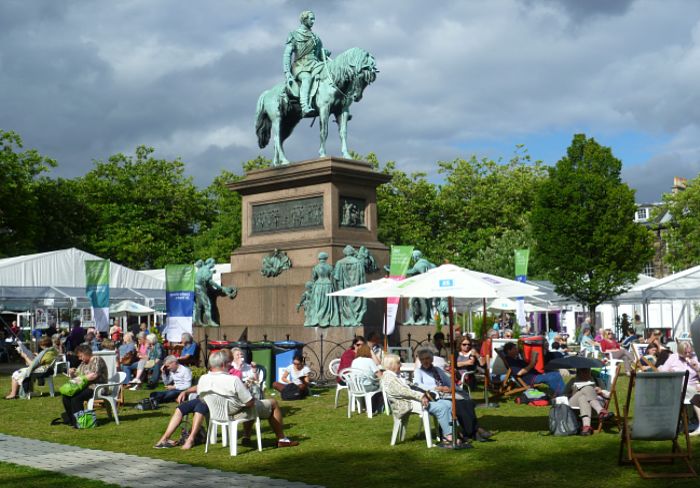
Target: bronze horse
(342, 82)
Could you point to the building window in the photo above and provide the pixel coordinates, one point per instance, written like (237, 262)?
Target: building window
(642, 214)
(649, 269)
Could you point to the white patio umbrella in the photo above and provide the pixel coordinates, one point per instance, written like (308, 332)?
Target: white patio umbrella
(508, 305)
(129, 307)
(450, 281)
(373, 289)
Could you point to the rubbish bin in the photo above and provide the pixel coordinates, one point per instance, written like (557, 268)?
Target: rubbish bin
(262, 355)
(284, 355)
(214, 346)
(534, 344)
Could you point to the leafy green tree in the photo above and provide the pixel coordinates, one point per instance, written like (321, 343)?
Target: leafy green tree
(221, 234)
(65, 219)
(145, 210)
(407, 212)
(584, 222)
(683, 234)
(20, 221)
(485, 207)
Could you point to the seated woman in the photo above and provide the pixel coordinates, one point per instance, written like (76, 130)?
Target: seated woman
(686, 360)
(401, 398)
(364, 362)
(297, 374)
(35, 364)
(610, 346)
(587, 343)
(248, 373)
(467, 361)
(584, 394)
(95, 371)
(139, 363)
(655, 338)
(155, 360)
(431, 378)
(648, 361)
(190, 351)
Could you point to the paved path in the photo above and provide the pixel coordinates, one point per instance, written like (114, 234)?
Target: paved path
(134, 471)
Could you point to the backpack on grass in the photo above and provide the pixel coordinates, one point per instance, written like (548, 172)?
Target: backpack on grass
(85, 419)
(563, 421)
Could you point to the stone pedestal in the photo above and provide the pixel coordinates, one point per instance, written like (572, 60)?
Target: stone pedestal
(302, 209)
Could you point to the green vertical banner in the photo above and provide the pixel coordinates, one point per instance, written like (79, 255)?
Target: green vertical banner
(179, 300)
(400, 260)
(97, 290)
(521, 258)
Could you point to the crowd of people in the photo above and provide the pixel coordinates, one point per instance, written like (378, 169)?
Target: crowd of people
(143, 359)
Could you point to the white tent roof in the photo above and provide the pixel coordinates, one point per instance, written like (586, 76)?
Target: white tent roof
(67, 268)
(682, 285)
(57, 278)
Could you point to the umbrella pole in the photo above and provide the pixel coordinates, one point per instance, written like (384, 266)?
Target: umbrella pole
(386, 325)
(453, 369)
(487, 371)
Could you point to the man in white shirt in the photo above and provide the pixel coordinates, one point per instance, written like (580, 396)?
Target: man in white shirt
(176, 378)
(220, 382)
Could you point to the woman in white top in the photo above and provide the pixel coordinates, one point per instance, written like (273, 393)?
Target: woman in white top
(296, 373)
(364, 362)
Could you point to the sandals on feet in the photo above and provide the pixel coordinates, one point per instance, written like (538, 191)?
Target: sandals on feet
(165, 445)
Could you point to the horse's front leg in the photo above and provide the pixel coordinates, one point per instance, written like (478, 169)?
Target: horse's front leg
(323, 115)
(279, 157)
(343, 132)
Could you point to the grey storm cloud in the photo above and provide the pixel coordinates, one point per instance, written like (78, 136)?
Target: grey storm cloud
(82, 80)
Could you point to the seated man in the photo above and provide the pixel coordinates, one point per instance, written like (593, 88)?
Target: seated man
(190, 351)
(527, 372)
(196, 407)
(401, 397)
(176, 378)
(429, 377)
(220, 382)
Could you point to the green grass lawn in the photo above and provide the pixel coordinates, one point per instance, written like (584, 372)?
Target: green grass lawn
(12, 476)
(339, 452)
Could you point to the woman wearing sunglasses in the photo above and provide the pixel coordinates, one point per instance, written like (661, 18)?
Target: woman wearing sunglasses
(467, 361)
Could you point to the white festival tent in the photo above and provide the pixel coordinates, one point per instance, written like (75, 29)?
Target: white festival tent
(127, 307)
(56, 279)
(508, 305)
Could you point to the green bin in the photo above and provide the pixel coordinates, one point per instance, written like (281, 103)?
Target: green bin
(262, 356)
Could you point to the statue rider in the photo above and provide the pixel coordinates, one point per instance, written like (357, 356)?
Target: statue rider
(309, 56)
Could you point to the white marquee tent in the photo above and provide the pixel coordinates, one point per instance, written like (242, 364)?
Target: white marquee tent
(57, 279)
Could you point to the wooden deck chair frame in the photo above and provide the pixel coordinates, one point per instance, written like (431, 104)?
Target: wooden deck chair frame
(681, 427)
(511, 384)
(617, 419)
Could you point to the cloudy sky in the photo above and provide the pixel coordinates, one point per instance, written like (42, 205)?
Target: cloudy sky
(81, 80)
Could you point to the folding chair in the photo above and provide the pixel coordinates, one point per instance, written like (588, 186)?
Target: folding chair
(639, 349)
(658, 416)
(610, 399)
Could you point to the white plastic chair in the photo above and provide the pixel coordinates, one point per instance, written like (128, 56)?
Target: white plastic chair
(108, 393)
(333, 370)
(219, 416)
(399, 430)
(60, 361)
(110, 359)
(357, 390)
(39, 373)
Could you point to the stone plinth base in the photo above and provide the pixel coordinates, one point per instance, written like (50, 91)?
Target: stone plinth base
(301, 209)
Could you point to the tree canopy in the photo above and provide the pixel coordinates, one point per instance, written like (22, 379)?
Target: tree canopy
(20, 224)
(583, 220)
(682, 236)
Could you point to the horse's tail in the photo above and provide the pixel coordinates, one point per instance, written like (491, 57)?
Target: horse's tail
(263, 124)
